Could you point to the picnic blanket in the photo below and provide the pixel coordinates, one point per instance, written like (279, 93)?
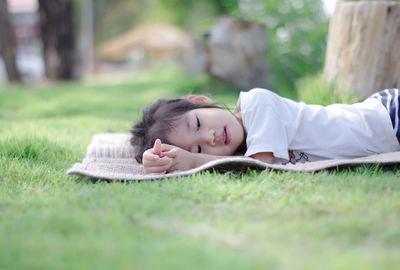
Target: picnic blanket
(110, 156)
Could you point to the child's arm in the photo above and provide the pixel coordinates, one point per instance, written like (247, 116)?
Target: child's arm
(184, 160)
(267, 157)
(164, 158)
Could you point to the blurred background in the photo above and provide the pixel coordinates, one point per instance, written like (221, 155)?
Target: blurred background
(238, 44)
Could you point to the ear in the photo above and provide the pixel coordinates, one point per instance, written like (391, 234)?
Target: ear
(198, 99)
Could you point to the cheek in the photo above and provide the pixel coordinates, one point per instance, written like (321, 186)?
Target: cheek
(238, 130)
(173, 138)
(180, 138)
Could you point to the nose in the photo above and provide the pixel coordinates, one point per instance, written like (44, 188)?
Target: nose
(211, 137)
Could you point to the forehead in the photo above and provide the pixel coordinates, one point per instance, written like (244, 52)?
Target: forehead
(207, 111)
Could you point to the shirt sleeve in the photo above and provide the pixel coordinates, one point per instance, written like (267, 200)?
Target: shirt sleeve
(265, 130)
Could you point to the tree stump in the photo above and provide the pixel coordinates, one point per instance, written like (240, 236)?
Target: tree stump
(363, 52)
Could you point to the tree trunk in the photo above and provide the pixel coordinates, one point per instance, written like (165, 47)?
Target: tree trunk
(87, 37)
(58, 36)
(363, 52)
(7, 43)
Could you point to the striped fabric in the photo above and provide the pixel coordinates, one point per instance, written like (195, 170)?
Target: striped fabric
(390, 99)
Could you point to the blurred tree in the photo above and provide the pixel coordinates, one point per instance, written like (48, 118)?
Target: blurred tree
(183, 9)
(296, 29)
(58, 36)
(86, 36)
(114, 17)
(297, 32)
(7, 43)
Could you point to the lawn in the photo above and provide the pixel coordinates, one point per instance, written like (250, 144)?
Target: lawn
(259, 220)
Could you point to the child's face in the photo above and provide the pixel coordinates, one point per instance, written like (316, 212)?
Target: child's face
(210, 131)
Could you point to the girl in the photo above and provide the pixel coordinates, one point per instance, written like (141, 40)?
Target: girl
(181, 134)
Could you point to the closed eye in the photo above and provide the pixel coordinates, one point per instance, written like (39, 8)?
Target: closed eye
(198, 123)
(198, 128)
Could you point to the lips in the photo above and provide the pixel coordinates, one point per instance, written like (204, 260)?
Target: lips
(224, 135)
(227, 136)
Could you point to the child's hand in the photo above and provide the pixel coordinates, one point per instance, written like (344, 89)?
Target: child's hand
(154, 161)
(181, 160)
(163, 158)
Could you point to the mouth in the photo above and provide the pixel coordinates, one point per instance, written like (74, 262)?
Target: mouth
(227, 136)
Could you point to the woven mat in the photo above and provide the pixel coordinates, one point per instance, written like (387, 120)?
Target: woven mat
(110, 156)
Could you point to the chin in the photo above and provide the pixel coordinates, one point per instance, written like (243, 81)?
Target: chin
(230, 153)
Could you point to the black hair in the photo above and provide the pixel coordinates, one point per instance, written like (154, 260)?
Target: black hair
(158, 119)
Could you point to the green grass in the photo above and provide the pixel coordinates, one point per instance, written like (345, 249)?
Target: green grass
(314, 90)
(260, 220)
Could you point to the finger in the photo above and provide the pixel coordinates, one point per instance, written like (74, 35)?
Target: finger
(167, 147)
(161, 162)
(172, 153)
(149, 156)
(155, 161)
(157, 147)
(158, 169)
